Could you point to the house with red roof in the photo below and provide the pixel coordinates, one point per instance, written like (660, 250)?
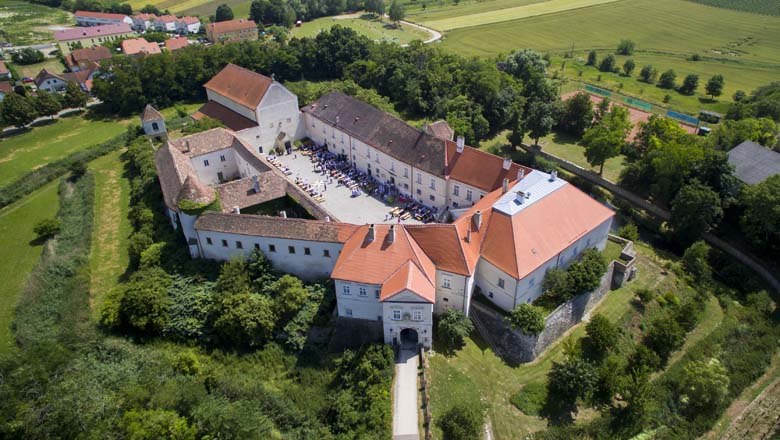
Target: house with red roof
(188, 25)
(5, 73)
(84, 37)
(143, 22)
(139, 47)
(165, 23)
(231, 31)
(90, 18)
(176, 43)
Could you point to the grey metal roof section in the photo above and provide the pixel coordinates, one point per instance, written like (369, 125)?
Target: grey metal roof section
(534, 187)
(753, 163)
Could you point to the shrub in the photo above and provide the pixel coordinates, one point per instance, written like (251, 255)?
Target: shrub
(463, 421)
(77, 169)
(601, 337)
(144, 304)
(664, 337)
(695, 261)
(530, 400)
(667, 79)
(47, 228)
(592, 58)
(648, 74)
(453, 327)
(585, 275)
(690, 84)
(155, 424)
(607, 64)
(644, 360)
(645, 295)
(27, 56)
(629, 231)
(626, 47)
(527, 318)
(151, 256)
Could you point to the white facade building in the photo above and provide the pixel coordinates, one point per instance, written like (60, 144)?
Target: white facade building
(89, 18)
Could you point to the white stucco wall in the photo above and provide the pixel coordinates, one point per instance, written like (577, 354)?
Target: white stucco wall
(452, 297)
(208, 174)
(278, 112)
(487, 276)
(462, 197)
(308, 267)
(149, 127)
(53, 85)
(393, 328)
(351, 304)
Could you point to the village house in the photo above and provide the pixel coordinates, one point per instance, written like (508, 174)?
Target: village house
(5, 88)
(90, 18)
(57, 82)
(77, 38)
(87, 59)
(165, 23)
(231, 31)
(188, 25)
(153, 123)
(517, 224)
(176, 43)
(260, 110)
(139, 47)
(143, 22)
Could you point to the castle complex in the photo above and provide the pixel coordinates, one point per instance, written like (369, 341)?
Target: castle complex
(493, 224)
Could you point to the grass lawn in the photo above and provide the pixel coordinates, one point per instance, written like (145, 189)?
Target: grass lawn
(476, 372)
(612, 251)
(371, 28)
(18, 253)
(39, 145)
(564, 146)
(441, 10)
(108, 257)
(27, 23)
(31, 70)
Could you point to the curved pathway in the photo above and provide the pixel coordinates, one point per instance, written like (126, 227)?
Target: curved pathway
(435, 35)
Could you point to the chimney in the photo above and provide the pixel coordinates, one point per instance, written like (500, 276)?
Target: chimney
(337, 120)
(461, 142)
(391, 234)
(520, 197)
(236, 210)
(186, 146)
(505, 186)
(507, 163)
(370, 236)
(283, 214)
(468, 236)
(520, 174)
(553, 175)
(477, 219)
(327, 218)
(256, 183)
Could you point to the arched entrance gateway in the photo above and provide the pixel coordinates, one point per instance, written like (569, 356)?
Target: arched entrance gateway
(409, 338)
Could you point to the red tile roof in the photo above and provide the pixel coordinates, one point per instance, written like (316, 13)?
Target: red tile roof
(408, 277)
(222, 27)
(374, 262)
(479, 169)
(135, 46)
(145, 17)
(3, 69)
(6, 87)
(277, 227)
(231, 119)
(151, 114)
(190, 20)
(95, 54)
(442, 244)
(240, 85)
(176, 43)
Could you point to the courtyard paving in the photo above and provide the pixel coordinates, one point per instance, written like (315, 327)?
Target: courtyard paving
(358, 210)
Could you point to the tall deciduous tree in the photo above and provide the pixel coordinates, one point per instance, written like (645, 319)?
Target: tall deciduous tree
(601, 337)
(47, 104)
(223, 13)
(704, 384)
(539, 120)
(648, 74)
(628, 67)
(695, 210)
(453, 327)
(74, 97)
(667, 79)
(577, 114)
(606, 139)
(690, 84)
(17, 110)
(592, 58)
(397, 11)
(715, 85)
(761, 220)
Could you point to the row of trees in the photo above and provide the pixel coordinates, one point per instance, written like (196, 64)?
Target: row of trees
(21, 109)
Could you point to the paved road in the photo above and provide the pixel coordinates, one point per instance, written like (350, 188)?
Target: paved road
(405, 425)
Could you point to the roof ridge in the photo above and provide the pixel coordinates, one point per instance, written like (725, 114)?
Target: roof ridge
(414, 246)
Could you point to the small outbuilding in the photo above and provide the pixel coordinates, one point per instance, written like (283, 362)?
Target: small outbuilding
(153, 123)
(753, 163)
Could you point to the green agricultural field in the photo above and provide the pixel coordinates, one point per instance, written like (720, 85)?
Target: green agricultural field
(516, 13)
(371, 28)
(18, 251)
(27, 23)
(771, 7)
(441, 10)
(108, 257)
(37, 146)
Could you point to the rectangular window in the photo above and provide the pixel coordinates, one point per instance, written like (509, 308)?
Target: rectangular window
(445, 283)
(291, 249)
(432, 197)
(532, 282)
(501, 283)
(417, 315)
(257, 246)
(456, 190)
(326, 253)
(396, 315)
(348, 312)
(306, 251)
(419, 192)
(379, 318)
(239, 245)
(433, 183)
(368, 153)
(224, 243)
(468, 195)
(205, 163)
(376, 293)
(271, 248)
(406, 172)
(419, 178)
(208, 240)
(222, 158)
(362, 291)
(345, 289)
